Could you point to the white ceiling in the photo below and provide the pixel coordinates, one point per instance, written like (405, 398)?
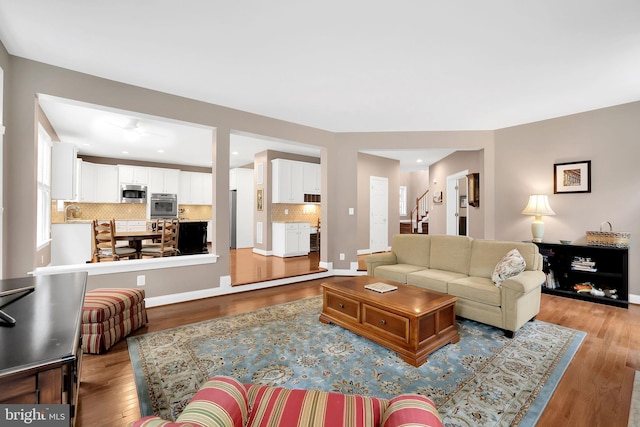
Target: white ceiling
(351, 66)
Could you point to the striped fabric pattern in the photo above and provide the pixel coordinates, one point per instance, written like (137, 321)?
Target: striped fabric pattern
(274, 406)
(411, 410)
(220, 402)
(225, 402)
(103, 303)
(109, 315)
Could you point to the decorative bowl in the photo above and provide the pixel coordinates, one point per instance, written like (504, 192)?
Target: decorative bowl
(565, 242)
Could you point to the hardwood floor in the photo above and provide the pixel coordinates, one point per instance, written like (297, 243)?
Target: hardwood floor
(248, 267)
(595, 390)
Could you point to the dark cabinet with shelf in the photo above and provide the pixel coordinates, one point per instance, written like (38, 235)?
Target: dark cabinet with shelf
(610, 272)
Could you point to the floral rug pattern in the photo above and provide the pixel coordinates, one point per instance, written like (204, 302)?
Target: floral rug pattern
(485, 379)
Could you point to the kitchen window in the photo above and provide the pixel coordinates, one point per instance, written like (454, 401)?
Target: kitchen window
(44, 188)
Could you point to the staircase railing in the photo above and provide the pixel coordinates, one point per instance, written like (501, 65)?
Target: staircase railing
(420, 211)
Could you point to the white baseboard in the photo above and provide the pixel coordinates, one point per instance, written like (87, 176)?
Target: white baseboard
(634, 299)
(262, 252)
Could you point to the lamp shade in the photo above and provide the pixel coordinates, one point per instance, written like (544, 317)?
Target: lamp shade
(538, 205)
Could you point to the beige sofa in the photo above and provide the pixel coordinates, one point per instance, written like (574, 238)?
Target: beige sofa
(462, 266)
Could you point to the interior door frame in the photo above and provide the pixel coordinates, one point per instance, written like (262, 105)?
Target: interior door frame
(451, 202)
(384, 245)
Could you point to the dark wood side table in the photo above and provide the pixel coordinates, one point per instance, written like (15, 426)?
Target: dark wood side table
(41, 354)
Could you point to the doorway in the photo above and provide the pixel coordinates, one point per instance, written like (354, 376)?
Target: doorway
(379, 214)
(456, 204)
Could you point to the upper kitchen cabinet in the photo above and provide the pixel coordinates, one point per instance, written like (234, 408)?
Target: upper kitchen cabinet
(311, 179)
(196, 188)
(64, 174)
(98, 183)
(133, 175)
(163, 180)
(286, 181)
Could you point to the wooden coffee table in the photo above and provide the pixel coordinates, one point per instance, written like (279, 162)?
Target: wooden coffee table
(411, 321)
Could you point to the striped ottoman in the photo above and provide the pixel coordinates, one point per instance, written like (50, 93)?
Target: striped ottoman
(110, 314)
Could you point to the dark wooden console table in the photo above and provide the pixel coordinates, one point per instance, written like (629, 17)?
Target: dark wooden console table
(41, 354)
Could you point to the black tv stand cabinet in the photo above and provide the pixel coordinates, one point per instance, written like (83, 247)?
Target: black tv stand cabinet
(611, 265)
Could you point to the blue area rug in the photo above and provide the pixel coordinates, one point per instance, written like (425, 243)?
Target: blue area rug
(484, 380)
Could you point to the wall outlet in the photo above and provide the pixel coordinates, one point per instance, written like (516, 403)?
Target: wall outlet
(141, 280)
(352, 211)
(341, 257)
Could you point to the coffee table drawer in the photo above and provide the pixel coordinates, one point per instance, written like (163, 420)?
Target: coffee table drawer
(390, 323)
(343, 306)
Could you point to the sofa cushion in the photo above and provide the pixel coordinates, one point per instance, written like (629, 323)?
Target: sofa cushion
(485, 254)
(408, 409)
(396, 272)
(275, 406)
(510, 265)
(412, 249)
(478, 289)
(451, 253)
(432, 279)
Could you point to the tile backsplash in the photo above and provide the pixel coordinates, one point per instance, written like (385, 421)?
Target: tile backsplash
(91, 211)
(306, 213)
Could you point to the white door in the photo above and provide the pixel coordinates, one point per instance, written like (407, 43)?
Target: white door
(379, 210)
(452, 198)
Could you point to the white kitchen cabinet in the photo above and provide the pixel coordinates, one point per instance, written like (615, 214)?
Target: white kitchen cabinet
(98, 183)
(311, 178)
(286, 181)
(195, 188)
(128, 174)
(290, 238)
(162, 180)
(71, 243)
(64, 174)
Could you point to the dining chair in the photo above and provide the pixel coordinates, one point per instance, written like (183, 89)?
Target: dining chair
(105, 242)
(168, 246)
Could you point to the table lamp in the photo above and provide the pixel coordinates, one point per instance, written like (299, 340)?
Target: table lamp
(538, 206)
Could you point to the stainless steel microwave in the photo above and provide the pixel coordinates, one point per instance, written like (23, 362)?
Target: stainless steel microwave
(130, 193)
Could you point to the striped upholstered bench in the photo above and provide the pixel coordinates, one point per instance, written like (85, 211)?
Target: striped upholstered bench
(110, 314)
(225, 402)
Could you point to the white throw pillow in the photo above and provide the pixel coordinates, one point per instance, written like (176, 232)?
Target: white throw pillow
(510, 265)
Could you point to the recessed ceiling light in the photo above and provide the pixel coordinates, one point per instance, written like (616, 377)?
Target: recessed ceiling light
(235, 153)
(125, 152)
(419, 161)
(160, 151)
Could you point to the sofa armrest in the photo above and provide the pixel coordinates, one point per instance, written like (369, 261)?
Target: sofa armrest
(220, 402)
(525, 282)
(374, 260)
(411, 410)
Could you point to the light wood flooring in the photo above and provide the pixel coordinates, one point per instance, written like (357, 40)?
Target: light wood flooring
(594, 391)
(248, 267)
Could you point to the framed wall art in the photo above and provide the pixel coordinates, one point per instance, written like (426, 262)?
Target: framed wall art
(474, 189)
(572, 177)
(259, 200)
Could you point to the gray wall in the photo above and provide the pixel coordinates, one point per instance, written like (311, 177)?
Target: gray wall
(610, 138)
(514, 163)
(438, 173)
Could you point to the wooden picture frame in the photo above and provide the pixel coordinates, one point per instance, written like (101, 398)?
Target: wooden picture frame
(474, 189)
(572, 177)
(437, 197)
